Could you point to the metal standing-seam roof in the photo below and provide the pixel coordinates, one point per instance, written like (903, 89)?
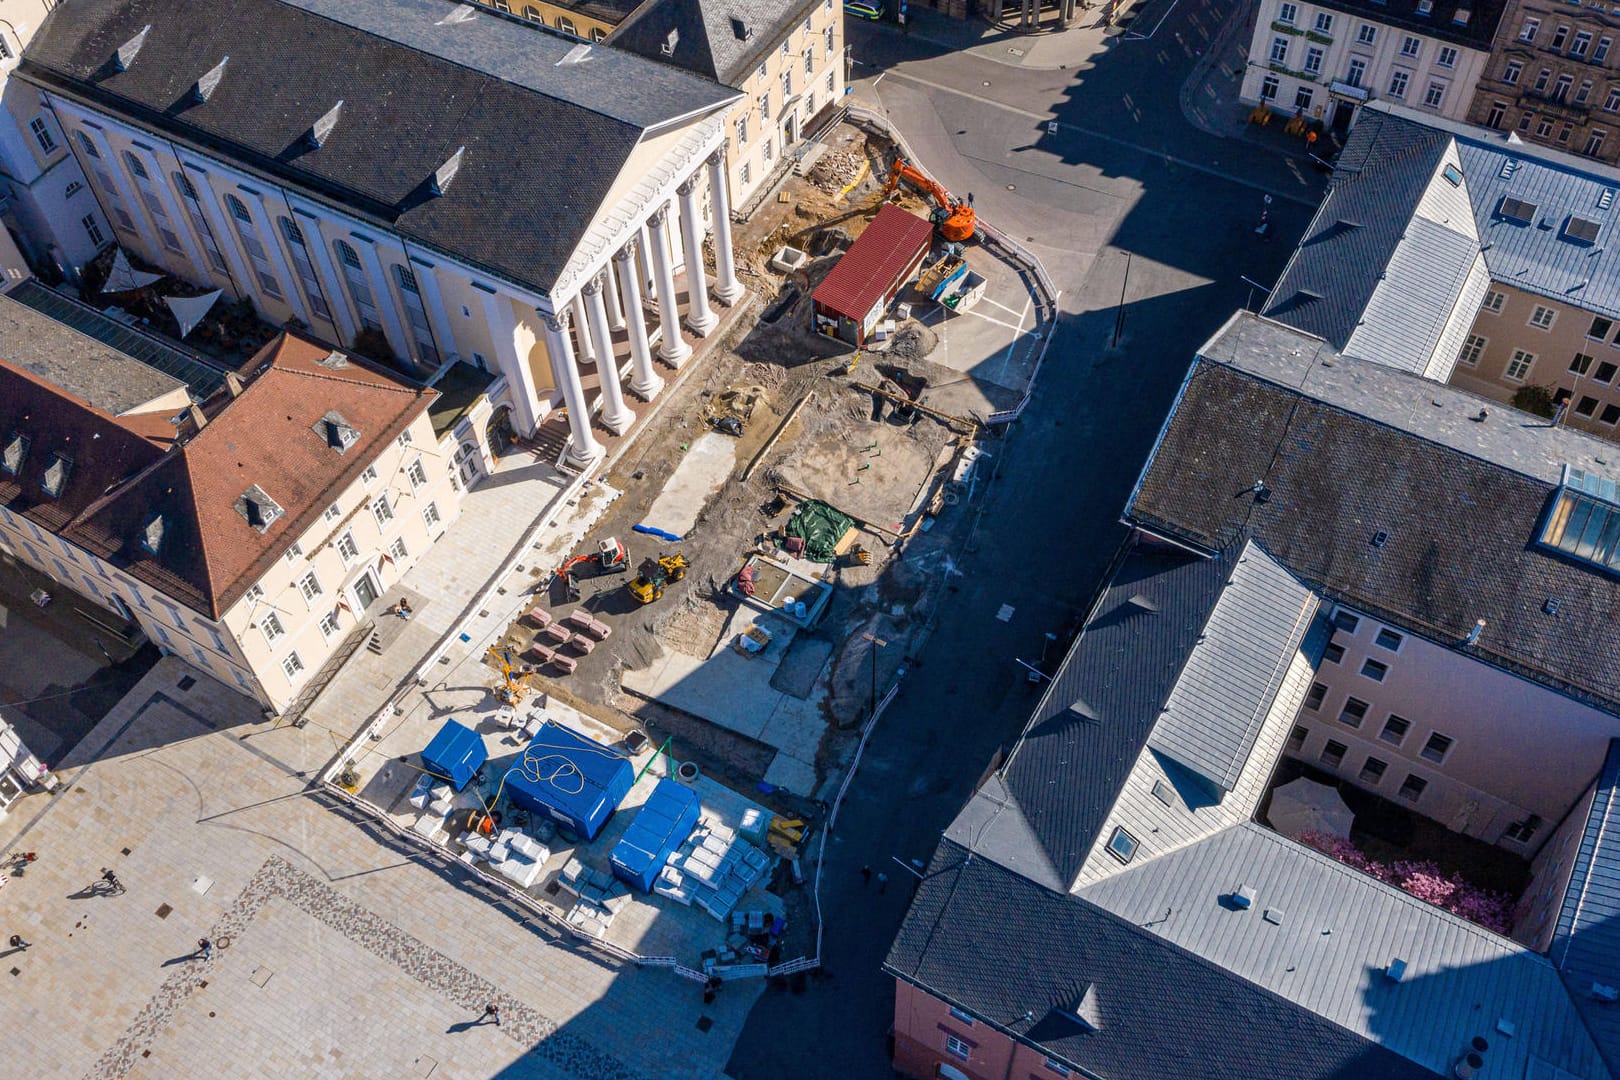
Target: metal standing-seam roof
(1586, 944)
(1215, 710)
(1322, 934)
(890, 244)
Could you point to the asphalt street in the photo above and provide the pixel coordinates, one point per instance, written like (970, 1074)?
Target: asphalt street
(1126, 197)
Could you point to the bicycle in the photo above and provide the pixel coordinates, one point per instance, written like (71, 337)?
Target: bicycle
(108, 885)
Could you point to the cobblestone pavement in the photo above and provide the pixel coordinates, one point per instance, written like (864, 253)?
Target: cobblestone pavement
(335, 953)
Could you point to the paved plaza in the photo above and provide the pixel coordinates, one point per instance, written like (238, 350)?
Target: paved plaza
(336, 953)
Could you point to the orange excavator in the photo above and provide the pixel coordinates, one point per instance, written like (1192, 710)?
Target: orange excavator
(955, 220)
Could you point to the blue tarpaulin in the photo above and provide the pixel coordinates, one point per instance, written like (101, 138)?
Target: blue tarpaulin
(456, 753)
(662, 823)
(566, 776)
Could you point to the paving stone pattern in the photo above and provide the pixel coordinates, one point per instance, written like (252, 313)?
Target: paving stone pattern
(278, 878)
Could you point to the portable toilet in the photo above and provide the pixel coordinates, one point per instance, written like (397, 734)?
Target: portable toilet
(574, 780)
(661, 825)
(456, 753)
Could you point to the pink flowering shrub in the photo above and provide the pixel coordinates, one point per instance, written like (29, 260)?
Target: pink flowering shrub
(1424, 880)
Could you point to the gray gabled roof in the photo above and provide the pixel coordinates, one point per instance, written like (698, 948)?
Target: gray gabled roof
(1348, 449)
(1331, 276)
(1321, 934)
(1021, 957)
(1043, 813)
(1586, 944)
(719, 39)
(1215, 710)
(545, 137)
(1421, 287)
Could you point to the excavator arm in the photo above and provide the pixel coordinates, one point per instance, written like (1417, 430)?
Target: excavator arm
(957, 221)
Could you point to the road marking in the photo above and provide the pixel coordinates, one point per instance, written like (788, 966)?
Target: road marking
(1046, 118)
(1005, 614)
(1019, 329)
(999, 304)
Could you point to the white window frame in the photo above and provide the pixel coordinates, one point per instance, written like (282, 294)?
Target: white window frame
(1287, 13)
(347, 549)
(382, 512)
(310, 587)
(292, 665)
(1493, 301)
(416, 473)
(397, 549)
(41, 129)
(1473, 346)
(329, 624)
(1400, 81)
(1542, 317)
(270, 626)
(430, 515)
(1519, 366)
(958, 1047)
(247, 234)
(1447, 57)
(1411, 47)
(292, 234)
(368, 475)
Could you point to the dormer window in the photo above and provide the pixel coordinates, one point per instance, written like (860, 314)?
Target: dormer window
(257, 508)
(56, 474)
(152, 534)
(338, 432)
(15, 453)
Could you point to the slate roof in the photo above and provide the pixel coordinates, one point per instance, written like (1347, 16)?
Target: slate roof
(545, 139)
(1331, 276)
(1461, 513)
(719, 39)
(1041, 814)
(1460, 978)
(83, 367)
(158, 355)
(999, 946)
(1586, 943)
(264, 437)
(1440, 22)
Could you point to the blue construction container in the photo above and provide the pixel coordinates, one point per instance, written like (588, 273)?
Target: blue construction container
(566, 776)
(661, 825)
(456, 753)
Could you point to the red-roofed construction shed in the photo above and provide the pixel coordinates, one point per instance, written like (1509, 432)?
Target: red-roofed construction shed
(850, 300)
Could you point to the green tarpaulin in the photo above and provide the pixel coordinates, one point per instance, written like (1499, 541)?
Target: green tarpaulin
(820, 526)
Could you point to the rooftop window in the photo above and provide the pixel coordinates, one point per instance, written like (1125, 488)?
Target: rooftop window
(56, 474)
(152, 534)
(257, 508)
(15, 453)
(1584, 522)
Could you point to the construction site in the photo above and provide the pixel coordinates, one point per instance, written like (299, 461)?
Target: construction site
(745, 582)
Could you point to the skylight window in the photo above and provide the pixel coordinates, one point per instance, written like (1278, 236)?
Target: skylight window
(257, 508)
(1584, 522)
(56, 474)
(15, 453)
(1122, 845)
(1517, 210)
(338, 432)
(1453, 175)
(152, 534)
(1581, 230)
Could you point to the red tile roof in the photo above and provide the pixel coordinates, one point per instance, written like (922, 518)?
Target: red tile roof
(267, 436)
(877, 257)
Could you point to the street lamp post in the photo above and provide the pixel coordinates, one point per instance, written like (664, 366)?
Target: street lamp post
(877, 643)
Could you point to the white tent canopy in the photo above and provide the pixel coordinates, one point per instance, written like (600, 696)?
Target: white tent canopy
(125, 278)
(1307, 806)
(189, 310)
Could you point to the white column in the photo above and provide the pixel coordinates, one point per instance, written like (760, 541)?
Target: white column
(583, 449)
(427, 280)
(649, 279)
(726, 285)
(699, 316)
(503, 333)
(673, 349)
(644, 381)
(610, 293)
(402, 344)
(616, 415)
(587, 351)
(331, 283)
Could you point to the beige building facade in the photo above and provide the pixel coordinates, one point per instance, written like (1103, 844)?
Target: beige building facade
(1554, 78)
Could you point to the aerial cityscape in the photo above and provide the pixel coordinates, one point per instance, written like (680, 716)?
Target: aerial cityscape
(755, 539)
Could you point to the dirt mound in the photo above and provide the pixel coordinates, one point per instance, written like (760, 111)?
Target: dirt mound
(912, 342)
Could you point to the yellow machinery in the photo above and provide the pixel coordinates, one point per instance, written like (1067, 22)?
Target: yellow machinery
(514, 680)
(655, 574)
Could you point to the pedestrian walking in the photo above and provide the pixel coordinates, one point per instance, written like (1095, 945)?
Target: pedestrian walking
(883, 882)
(866, 875)
(112, 880)
(205, 948)
(18, 943)
(492, 1011)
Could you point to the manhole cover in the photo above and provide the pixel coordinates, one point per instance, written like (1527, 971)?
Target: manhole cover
(163, 911)
(1015, 52)
(260, 976)
(704, 1023)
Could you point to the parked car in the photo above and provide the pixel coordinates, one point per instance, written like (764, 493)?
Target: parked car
(862, 10)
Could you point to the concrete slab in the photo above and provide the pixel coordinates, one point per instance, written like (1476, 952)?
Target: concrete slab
(791, 774)
(694, 482)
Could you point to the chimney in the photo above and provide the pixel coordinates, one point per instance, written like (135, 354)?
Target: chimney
(233, 384)
(1473, 635)
(198, 418)
(1468, 1066)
